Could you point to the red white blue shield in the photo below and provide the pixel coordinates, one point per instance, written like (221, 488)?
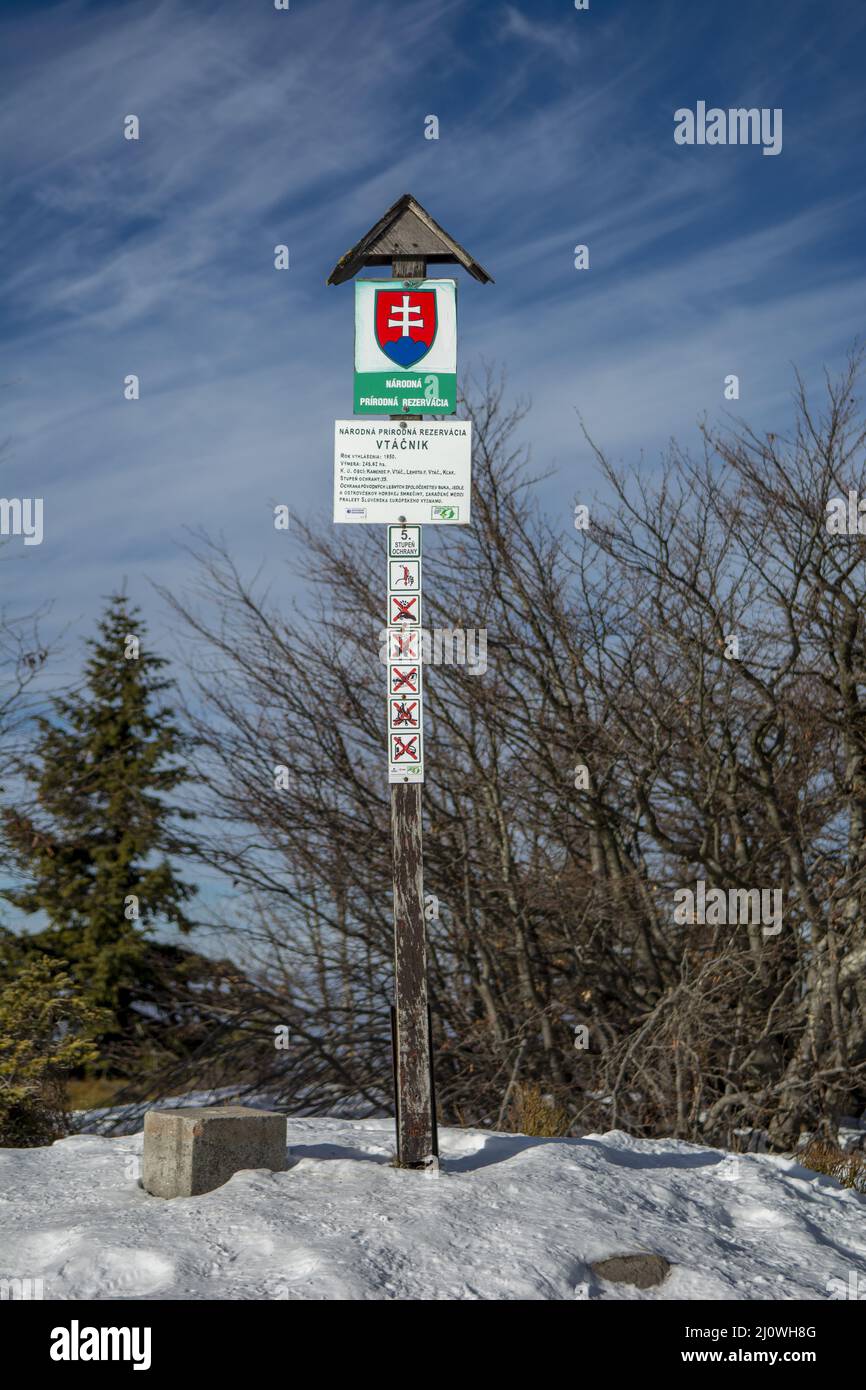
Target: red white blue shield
(405, 324)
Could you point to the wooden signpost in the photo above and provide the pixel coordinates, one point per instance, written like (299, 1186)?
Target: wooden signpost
(408, 239)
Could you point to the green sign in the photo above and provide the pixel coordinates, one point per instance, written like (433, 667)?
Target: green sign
(392, 393)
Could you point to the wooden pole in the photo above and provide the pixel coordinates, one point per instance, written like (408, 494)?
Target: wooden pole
(416, 1136)
(415, 1139)
(409, 237)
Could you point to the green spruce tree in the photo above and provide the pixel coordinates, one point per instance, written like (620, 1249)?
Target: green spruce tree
(46, 1031)
(93, 851)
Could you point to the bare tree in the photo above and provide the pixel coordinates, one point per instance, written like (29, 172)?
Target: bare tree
(23, 655)
(674, 694)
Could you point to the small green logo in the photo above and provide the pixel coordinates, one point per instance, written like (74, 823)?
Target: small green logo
(445, 513)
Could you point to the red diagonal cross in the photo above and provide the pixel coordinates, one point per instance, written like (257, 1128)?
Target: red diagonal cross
(401, 748)
(403, 606)
(405, 642)
(403, 712)
(402, 678)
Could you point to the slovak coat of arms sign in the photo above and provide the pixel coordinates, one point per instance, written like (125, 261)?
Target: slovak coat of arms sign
(405, 347)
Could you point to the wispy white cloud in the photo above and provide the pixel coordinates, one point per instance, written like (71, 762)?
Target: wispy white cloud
(525, 26)
(260, 127)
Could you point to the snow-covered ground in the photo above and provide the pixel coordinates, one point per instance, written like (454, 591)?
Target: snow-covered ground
(508, 1217)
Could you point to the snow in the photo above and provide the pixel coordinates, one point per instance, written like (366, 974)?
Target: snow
(507, 1217)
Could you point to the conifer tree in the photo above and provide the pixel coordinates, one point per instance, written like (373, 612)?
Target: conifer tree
(46, 1031)
(93, 850)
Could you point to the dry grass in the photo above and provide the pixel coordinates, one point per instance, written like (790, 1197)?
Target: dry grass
(536, 1114)
(92, 1093)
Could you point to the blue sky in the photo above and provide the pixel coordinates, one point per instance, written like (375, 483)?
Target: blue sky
(261, 127)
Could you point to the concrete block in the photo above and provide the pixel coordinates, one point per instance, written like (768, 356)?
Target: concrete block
(194, 1150)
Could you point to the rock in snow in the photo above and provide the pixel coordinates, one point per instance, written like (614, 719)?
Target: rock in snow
(506, 1217)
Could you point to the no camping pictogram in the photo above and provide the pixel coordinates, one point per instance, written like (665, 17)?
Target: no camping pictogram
(404, 608)
(404, 680)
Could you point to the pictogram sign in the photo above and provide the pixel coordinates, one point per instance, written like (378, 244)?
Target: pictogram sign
(404, 608)
(404, 680)
(405, 699)
(404, 645)
(406, 749)
(404, 574)
(404, 714)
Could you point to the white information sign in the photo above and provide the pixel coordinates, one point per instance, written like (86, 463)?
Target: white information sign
(419, 471)
(405, 542)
